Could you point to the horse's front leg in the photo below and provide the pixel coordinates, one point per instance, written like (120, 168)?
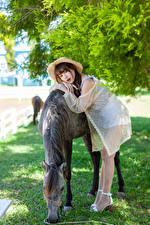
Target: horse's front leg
(68, 156)
(121, 192)
(96, 162)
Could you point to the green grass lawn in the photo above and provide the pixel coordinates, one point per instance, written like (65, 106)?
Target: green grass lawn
(21, 179)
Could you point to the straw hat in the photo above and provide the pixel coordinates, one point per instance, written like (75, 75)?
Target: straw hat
(51, 67)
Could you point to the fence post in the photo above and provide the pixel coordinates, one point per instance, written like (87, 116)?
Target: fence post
(14, 121)
(2, 127)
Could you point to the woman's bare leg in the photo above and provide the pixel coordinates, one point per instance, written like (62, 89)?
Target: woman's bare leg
(107, 174)
(99, 193)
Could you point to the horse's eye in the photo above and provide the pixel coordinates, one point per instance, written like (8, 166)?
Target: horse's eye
(62, 188)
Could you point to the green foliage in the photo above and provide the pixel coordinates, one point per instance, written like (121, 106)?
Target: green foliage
(23, 16)
(112, 42)
(110, 38)
(7, 36)
(31, 17)
(37, 60)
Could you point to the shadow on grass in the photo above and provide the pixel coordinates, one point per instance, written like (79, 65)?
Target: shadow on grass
(22, 178)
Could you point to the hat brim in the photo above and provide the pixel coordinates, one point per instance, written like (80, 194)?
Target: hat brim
(52, 66)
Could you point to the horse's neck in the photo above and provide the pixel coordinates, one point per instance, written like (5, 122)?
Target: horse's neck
(48, 157)
(54, 148)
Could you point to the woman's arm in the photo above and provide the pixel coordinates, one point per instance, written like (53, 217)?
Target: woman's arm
(87, 85)
(84, 101)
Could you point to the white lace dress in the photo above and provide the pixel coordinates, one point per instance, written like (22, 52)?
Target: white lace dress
(108, 118)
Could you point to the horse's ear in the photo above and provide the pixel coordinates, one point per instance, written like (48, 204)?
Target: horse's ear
(45, 166)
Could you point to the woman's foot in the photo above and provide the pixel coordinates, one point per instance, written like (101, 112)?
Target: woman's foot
(105, 202)
(98, 197)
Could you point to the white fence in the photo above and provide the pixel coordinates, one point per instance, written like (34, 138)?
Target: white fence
(11, 119)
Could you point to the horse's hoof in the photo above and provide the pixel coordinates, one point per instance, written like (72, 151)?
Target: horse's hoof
(67, 208)
(121, 195)
(90, 195)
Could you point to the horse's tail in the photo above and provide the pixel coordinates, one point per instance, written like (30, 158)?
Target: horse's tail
(41, 104)
(35, 109)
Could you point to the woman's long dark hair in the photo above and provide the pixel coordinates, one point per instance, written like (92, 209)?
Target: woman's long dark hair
(60, 68)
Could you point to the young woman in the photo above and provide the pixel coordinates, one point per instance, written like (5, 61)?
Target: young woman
(108, 119)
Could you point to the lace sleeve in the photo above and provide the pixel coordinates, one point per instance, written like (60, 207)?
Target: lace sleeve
(58, 86)
(80, 104)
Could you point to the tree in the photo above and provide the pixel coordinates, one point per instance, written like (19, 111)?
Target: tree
(110, 38)
(28, 16)
(112, 41)
(7, 36)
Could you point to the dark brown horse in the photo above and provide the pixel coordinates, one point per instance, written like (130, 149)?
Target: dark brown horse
(37, 106)
(59, 126)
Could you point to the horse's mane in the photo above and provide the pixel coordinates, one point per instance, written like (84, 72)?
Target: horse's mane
(55, 116)
(51, 180)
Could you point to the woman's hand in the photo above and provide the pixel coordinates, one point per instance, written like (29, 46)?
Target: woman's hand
(69, 87)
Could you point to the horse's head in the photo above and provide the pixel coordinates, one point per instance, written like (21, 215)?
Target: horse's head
(53, 187)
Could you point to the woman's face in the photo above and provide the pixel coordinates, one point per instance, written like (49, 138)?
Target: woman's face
(68, 76)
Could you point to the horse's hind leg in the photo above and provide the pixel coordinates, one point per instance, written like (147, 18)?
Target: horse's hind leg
(36, 110)
(96, 162)
(68, 156)
(121, 192)
(34, 118)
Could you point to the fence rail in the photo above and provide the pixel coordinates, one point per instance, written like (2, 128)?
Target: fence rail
(11, 119)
